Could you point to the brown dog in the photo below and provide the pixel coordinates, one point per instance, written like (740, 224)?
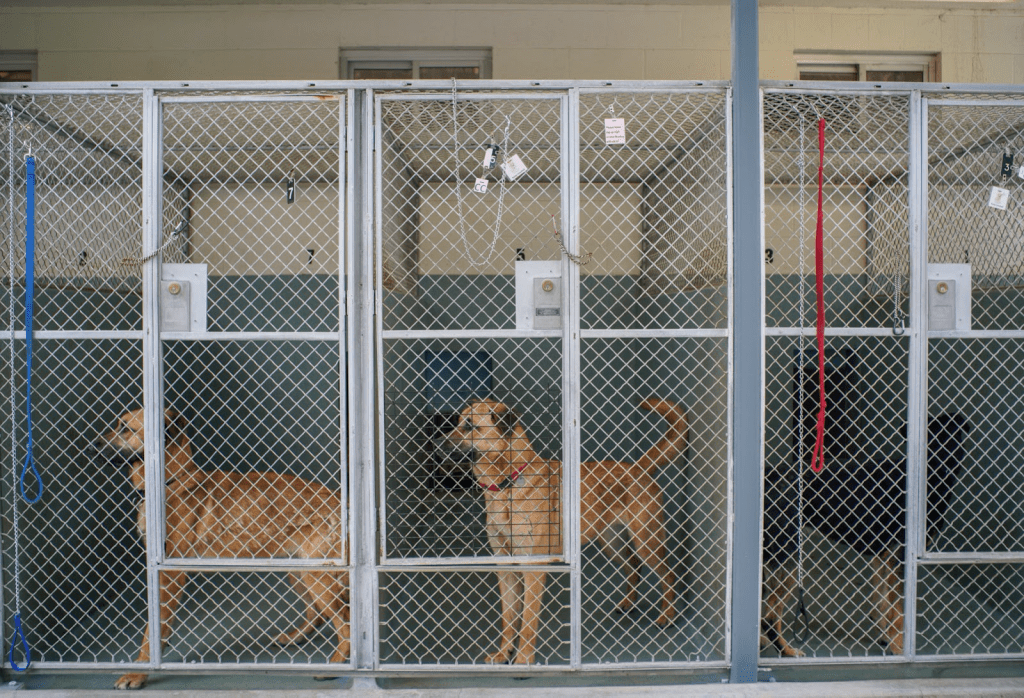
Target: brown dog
(217, 514)
(523, 497)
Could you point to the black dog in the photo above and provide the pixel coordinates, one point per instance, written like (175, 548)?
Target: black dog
(861, 503)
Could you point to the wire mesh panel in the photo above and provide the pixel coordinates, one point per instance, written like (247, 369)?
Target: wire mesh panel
(827, 533)
(654, 312)
(865, 200)
(78, 576)
(252, 618)
(454, 618)
(967, 610)
(469, 190)
(835, 541)
(973, 480)
(653, 210)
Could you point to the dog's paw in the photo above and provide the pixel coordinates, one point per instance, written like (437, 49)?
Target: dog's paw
(294, 638)
(523, 659)
(790, 651)
(499, 657)
(667, 618)
(131, 681)
(624, 606)
(895, 645)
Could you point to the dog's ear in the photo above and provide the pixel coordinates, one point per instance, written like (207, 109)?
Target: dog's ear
(174, 425)
(505, 418)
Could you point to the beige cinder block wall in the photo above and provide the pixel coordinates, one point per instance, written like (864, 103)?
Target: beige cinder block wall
(670, 41)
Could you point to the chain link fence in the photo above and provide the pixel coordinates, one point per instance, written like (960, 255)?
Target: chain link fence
(550, 276)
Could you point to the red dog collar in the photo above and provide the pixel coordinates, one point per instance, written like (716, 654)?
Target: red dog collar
(505, 484)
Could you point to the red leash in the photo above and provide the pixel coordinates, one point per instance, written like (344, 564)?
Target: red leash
(818, 458)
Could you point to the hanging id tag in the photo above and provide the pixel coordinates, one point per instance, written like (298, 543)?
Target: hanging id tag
(615, 131)
(1020, 172)
(489, 157)
(514, 168)
(480, 187)
(289, 189)
(1007, 169)
(999, 198)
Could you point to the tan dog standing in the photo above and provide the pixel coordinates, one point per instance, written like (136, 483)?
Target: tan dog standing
(218, 514)
(522, 493)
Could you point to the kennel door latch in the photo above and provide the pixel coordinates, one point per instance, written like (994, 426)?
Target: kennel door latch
(183, 298)
(538, 295)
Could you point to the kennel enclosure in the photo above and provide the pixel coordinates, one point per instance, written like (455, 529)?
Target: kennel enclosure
(336, 283)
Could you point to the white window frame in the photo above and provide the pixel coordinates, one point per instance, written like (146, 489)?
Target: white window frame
(20, 60)
(398, 57)
(863, 61)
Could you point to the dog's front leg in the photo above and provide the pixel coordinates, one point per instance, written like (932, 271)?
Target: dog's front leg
(171, 586)
(510, 585)
(886, 592)
(533, 597)
(779, 585)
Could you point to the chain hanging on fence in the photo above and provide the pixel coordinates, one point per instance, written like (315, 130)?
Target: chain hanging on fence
(139, 261)
(458, 184)
(577, 259)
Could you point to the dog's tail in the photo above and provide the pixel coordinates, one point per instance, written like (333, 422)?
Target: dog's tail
(674, 441)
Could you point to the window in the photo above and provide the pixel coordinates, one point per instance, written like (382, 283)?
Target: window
(399, 63)
(868, 67)
(17, 66)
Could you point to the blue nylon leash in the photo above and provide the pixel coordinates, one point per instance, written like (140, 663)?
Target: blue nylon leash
(30, 244)
(30, 271)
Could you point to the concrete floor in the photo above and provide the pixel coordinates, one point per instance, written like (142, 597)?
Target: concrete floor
(302, 688)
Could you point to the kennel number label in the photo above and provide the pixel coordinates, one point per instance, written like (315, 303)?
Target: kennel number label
(998, 198)
(615, 131)
(514, 167)
(481, 186)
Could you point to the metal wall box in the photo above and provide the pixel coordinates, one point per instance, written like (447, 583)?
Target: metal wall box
(538, 295)
(949, 297)
(183, 298)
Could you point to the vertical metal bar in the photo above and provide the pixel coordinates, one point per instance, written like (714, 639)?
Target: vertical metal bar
(748, 344)
(361, 392)
(152, 361)
(344, 196)
(376, 244)
(730, 386)
(571, 365)
(917, 364)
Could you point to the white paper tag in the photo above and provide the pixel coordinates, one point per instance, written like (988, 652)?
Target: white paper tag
(487, 158)
(615, 131)
(998, 198)
(1020, 172)
(481, 186)
(514, 168)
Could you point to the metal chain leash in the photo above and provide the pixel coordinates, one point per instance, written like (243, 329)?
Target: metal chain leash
(458, 185)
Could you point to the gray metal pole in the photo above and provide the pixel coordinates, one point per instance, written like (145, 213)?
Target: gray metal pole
(748, 344)
(361, 368)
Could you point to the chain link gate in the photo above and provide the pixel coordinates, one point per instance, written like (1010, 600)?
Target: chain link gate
(902, 547)
(970, 577)
(830, 538)
(637, 311)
